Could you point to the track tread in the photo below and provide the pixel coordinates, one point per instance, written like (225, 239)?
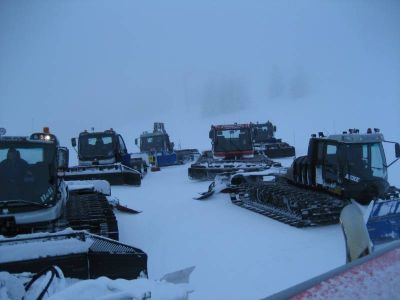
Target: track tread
(290, 204)
(92, 212)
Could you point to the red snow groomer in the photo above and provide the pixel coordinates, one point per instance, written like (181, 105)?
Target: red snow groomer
(232, 151)
(232, 141)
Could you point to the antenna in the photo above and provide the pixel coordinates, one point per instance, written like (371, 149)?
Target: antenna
(294, 138)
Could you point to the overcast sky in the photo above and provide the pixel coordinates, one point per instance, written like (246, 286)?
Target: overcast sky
(76, 64)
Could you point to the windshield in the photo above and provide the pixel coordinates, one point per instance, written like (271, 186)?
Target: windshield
(366, 161)
(152, 143)
(96, 146)
(233, 140)
(25, 172)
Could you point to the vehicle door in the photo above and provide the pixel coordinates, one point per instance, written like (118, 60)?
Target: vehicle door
(123, 152)
(331, 163)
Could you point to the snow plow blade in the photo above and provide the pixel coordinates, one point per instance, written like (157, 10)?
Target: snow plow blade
(186, 155)
(221, 184)
(79, 254)
(208, 170)
(279, 151)
(384, 221)
(115, 174)
(209, 173)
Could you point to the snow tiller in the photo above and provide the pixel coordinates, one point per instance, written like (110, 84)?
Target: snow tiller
(79, 254)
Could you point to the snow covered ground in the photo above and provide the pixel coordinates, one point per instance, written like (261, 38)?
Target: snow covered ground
(307, 66)
(238, 254)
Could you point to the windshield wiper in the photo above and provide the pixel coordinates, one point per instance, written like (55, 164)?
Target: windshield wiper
(377, 168)
(98, 156)
(6, 202)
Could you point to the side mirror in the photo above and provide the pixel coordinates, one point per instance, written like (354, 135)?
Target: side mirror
(73, 142)
(172, 146)
(136, 141)
(397, 152)
(62, 158)
(210, 134)
(274, 128)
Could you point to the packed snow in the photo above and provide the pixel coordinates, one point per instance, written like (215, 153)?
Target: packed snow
(238, 254)
(102, 288)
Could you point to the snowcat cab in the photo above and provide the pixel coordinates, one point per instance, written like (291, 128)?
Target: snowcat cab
(29, 194)
(263, 132)
(232, 141)
(157, 146)
(103, 155)
(156, 141)
(160, 149)
(266, 143)
(101, 148)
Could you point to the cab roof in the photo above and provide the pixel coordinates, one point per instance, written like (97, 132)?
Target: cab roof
(355, 138)
(150, 134)
(108, 131)
(26, 139)
(230, 126)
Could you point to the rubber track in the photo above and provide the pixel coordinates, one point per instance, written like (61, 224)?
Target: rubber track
(290, 204)
(91, 212)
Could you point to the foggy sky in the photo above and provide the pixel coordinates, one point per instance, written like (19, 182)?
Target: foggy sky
(306, 65)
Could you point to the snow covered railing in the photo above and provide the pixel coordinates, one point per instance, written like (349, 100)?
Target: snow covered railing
(370, 277)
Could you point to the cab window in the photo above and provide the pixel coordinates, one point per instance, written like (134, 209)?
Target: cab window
(122, 144)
